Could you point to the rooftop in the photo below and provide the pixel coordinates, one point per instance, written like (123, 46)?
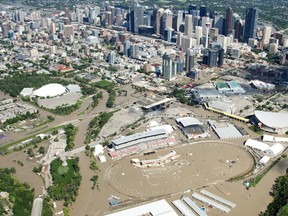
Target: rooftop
(272, 119)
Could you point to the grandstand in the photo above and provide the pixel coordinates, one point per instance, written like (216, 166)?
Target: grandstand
(192, 127)
(139, 142)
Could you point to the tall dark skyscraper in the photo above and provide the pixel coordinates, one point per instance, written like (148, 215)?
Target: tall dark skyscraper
(213, 58)
(250, 23)
(191, 8)
(229, 21)
(203, 11)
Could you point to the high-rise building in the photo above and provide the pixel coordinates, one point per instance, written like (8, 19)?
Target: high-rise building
(177, 20)
(219, 23)
(221, 57)
(169, 66)
(186, 43)
(53, 28)
(138, 17)
(68, 31)
(198, 33)
(203, 11)
(239, 28)
(229, 25)
(192, 8)
(166, 20)
(250, 23)
(213, 33)
(112, 57)
(196, 21)
(127, 45)
(190, 60)
(158, 18)
(267, 31)
(213, 58)
(5, 29)
(188, 25)
(279, 36)
(179, 39)
(168, 33)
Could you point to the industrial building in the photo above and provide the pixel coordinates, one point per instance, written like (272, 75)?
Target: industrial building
(226, 130)
(230, 87)
(192, 128)
(139, 142)
(272, 122)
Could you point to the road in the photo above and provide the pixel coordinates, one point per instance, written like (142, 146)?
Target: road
(37, 207)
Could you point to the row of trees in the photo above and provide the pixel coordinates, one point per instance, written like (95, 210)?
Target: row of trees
(96, 98)
(280, 195)
(66, 183)
(28, 115)
(70, 132)
(96, 125)
(111, 99)
(66, 110)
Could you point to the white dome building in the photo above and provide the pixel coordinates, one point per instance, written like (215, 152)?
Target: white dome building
(50, 90)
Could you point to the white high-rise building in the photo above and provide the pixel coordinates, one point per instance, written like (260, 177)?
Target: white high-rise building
(198, 33)
(267, 31)
(188, 25)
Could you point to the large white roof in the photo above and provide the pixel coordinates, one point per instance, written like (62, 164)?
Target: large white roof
(272, 119)
(275, 149)
(160, 207)
(188, 121)
(50, 90)
(257, 145)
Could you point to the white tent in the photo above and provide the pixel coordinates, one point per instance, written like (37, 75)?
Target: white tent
(256, 145)
(102, 158)
(264, 160)
(275, 149)
(99, 149)
(268, 138)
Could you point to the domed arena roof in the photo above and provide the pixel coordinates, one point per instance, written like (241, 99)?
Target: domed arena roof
(50, 90)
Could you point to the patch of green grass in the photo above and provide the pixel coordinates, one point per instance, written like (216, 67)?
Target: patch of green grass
(63, 175)
(62, 170)
(283, 211)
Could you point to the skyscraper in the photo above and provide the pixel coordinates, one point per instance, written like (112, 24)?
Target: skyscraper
(239, 27)
(169, 66)
(158, 24)
(229, 25)
(166, 20)
(250, 23)
(177, 20)
(218, 23)
(203, 11)
(190, 60)
(138, 16)
(213, 58)
(188, 25)
(191, 8)
(266, 34)
(112, 57)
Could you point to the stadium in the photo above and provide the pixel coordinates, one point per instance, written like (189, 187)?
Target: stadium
(272, 122)
(50, 90)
